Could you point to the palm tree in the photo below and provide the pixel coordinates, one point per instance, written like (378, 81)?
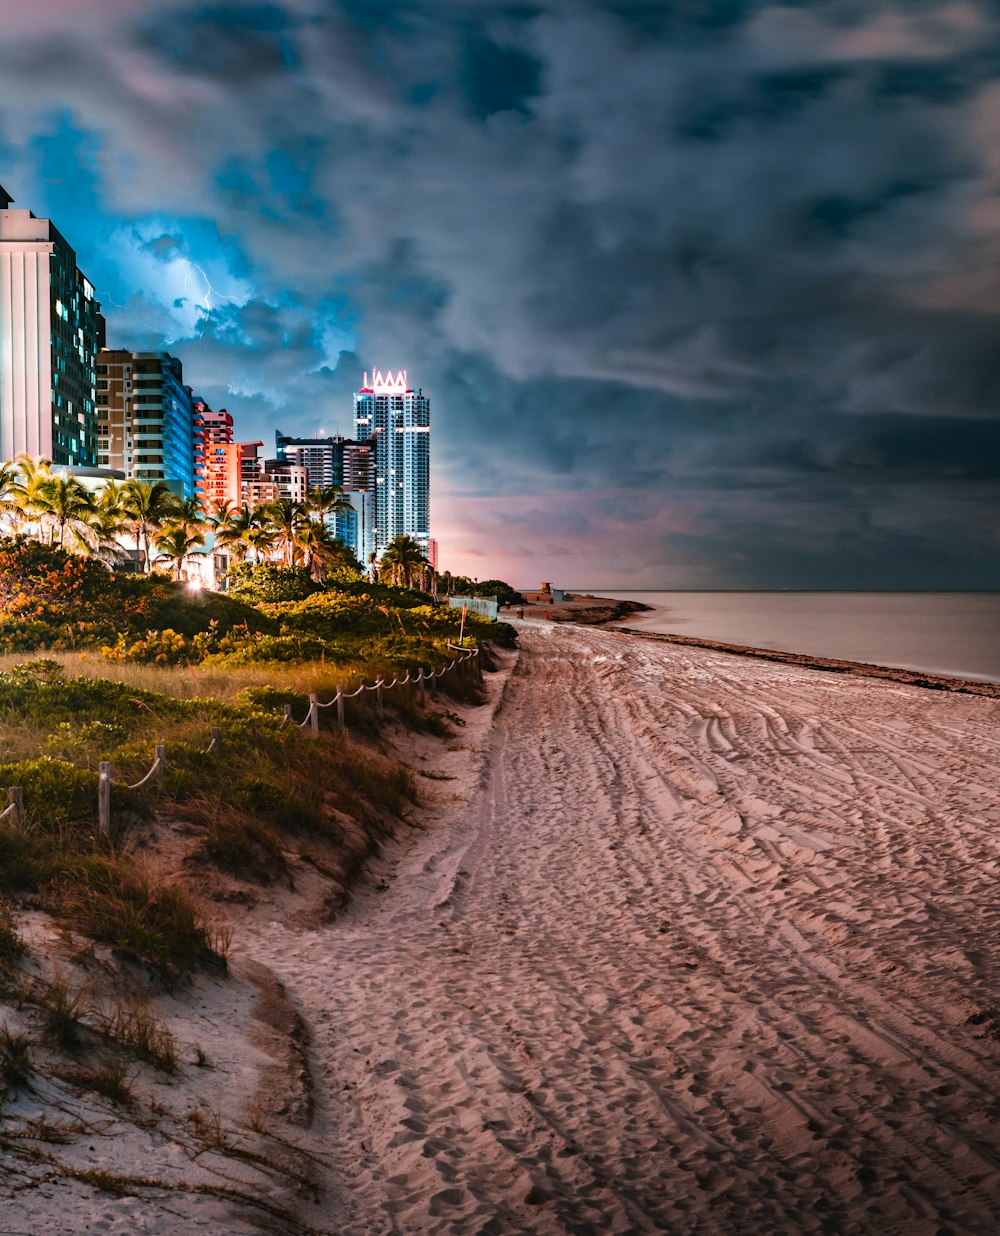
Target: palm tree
(66, 505)
(11, 505)
(287, 518)
(147, 506)
(233, 526)
(176, 543)
(32, 473)
(261, 537)
(403, 556)
(325, 500)
(321, 550)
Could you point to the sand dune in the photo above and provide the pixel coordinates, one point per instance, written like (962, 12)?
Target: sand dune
(692, 943)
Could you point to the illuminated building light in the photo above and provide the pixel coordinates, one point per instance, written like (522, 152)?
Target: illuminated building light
(385, 383)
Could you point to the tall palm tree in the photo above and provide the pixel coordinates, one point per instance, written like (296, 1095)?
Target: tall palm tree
(11, 505)
(176, 543)
(32, 473)
(147, 506)
(401, 558)
(287, 518)
(231, 526)
(261, 537)
(326, 500)
(66, 505)
(320, 550)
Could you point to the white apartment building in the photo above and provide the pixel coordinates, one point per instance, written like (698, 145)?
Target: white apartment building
(50, 331)
(396, 419)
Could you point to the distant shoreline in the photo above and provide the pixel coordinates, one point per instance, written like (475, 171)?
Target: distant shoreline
(832, 665)
(590, 610)
(583, 610)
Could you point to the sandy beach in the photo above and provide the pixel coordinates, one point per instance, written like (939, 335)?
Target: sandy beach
(679, 941)
(708, 944)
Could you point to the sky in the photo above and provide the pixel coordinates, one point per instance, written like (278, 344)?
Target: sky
(705, 293)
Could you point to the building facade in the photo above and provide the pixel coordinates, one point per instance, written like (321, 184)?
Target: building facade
(146, 419)
(219, 469)
(347, 464)
(51, 329)
(322, 458)
(396, 420)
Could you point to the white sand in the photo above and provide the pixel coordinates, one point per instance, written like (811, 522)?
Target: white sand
(697, 953)
(691, 942)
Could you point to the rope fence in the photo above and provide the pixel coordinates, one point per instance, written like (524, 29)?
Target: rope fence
(14, 810)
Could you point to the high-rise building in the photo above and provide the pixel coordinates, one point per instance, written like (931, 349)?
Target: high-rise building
(50, 331)
(329, 461)
(347, 464)
(146, 419)
(220, 468)
(396, 419)
(323, 458)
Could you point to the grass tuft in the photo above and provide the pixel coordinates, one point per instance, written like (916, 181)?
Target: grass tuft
(110, 1078)
(12, 947)
(132, 1026)
(15, 1058)
(62, 1011)
(113, 900)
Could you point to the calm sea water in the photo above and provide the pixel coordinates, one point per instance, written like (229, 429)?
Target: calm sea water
(954, 633)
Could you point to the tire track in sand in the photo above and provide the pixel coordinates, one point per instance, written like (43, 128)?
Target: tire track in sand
(696, 955)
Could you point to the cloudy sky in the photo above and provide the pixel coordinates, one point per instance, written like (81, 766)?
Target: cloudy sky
(705, 293)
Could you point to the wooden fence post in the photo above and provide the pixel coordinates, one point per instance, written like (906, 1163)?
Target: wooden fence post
(378, 700)
(286, 712)
(15, 795)
(104, 797)
(340, 708)
(314, 715)
(161, 763)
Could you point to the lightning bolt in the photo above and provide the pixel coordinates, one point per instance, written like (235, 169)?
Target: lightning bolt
(205, 293)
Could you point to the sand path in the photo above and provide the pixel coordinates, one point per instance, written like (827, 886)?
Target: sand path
(698, 953)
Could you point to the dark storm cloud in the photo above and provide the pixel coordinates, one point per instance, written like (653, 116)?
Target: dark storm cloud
(722, 276)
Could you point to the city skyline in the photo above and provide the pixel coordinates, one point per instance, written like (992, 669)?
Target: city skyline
(703, 297)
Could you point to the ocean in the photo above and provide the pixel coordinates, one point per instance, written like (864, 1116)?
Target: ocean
(955, 633)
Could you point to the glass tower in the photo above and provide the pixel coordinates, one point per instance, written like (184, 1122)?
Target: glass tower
(397, 421)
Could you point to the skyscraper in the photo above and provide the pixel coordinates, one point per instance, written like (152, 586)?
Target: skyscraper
(397, 420)
(146, 418)
(50, 330)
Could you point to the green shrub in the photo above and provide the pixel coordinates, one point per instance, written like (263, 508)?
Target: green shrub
(259, 649)
(167, 647)
(273, 699)
(46, 700)
(258, 582)
(55, 791)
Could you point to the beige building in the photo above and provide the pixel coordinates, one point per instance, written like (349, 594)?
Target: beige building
(146, 422)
